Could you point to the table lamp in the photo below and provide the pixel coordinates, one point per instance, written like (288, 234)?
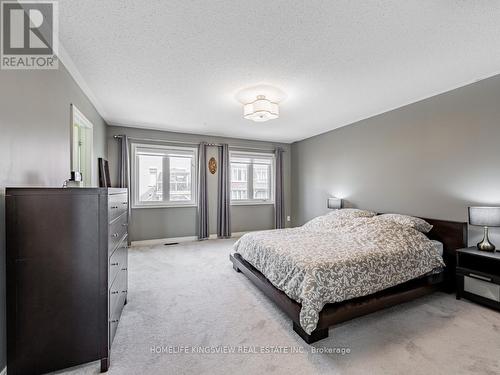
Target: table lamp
(485, 217)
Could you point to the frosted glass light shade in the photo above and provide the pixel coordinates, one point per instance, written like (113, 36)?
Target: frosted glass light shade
(261, 110)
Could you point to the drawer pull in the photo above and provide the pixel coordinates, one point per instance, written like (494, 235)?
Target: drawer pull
(125, 203)
(125, 225)
(115, 235)
(113, 207)
(114, 292)
(114, 264)
(124, 269)
(124, 291)
(114, 321)
(480, 277)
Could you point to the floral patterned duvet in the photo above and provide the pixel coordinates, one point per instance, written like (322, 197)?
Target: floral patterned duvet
(335, 259)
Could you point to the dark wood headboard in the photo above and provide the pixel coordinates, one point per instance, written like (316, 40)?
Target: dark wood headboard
(453, 234)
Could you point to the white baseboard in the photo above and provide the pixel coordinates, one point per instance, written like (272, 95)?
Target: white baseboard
(160, 241)
(239, 234)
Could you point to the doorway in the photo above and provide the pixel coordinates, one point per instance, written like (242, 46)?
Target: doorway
(82, 146)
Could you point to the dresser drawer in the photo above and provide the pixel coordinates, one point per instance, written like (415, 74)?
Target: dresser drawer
(113, 325)
(118, 261)
(117, 205)
(117, 293)
(117, 229)
(114, 321)
(482, 288)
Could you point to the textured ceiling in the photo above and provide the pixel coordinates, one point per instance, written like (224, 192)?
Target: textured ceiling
(177, 64)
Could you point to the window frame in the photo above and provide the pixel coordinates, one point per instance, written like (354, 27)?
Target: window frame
(166, 178)
(250, 176)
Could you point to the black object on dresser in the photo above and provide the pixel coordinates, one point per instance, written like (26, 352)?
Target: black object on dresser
(478, 276)
(66, 276)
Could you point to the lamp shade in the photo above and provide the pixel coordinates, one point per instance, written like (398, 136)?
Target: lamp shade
(484, 216)
(334, 203)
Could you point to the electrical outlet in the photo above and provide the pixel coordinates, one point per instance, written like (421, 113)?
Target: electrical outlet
(288, 218)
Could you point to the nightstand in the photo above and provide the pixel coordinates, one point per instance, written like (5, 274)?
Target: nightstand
(478, 276)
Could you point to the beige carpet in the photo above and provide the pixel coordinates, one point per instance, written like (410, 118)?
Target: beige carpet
(188, 295)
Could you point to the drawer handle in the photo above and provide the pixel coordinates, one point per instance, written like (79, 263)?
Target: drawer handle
(124, 269)
(125, 225)
(125, 203)
(114, 207)
(480, 277)
(124, 291)
(115, 235)
(114, 321)
(114, 264)
(114, 292)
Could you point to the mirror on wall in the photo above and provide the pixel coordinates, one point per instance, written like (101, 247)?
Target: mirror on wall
(82, 146)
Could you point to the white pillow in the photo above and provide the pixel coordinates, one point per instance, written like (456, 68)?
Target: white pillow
(410, 221)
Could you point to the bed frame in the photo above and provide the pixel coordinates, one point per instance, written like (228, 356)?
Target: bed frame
(452, 234)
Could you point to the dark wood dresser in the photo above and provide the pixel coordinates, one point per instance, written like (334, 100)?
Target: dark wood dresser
(66, 262)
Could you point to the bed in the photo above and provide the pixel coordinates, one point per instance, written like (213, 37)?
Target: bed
(327, 271)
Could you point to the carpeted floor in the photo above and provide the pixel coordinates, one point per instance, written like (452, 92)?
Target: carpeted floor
(189, 296)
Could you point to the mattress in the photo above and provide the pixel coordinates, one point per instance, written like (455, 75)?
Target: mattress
(438, 246)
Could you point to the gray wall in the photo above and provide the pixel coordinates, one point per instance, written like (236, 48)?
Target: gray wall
(431, 159)
(154, 223)
(35, 140)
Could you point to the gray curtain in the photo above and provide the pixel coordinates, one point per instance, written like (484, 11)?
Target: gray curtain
(124, 168)
(223, 198)
(279, 199)
(203, 233)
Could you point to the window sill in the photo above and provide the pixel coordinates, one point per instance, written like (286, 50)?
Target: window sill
(189, 205)
(252, 203)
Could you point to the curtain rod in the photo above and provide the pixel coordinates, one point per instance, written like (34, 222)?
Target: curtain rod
(194, 143)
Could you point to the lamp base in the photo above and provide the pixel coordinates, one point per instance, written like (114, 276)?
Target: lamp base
(485, 244)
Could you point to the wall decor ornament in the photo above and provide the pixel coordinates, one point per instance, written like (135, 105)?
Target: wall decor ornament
(212, 165)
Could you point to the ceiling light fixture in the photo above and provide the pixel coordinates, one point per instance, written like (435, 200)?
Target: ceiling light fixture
(261, 102)
(261, 110)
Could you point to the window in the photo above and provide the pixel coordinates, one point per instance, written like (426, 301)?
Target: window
(163, 176)
(252, 178)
